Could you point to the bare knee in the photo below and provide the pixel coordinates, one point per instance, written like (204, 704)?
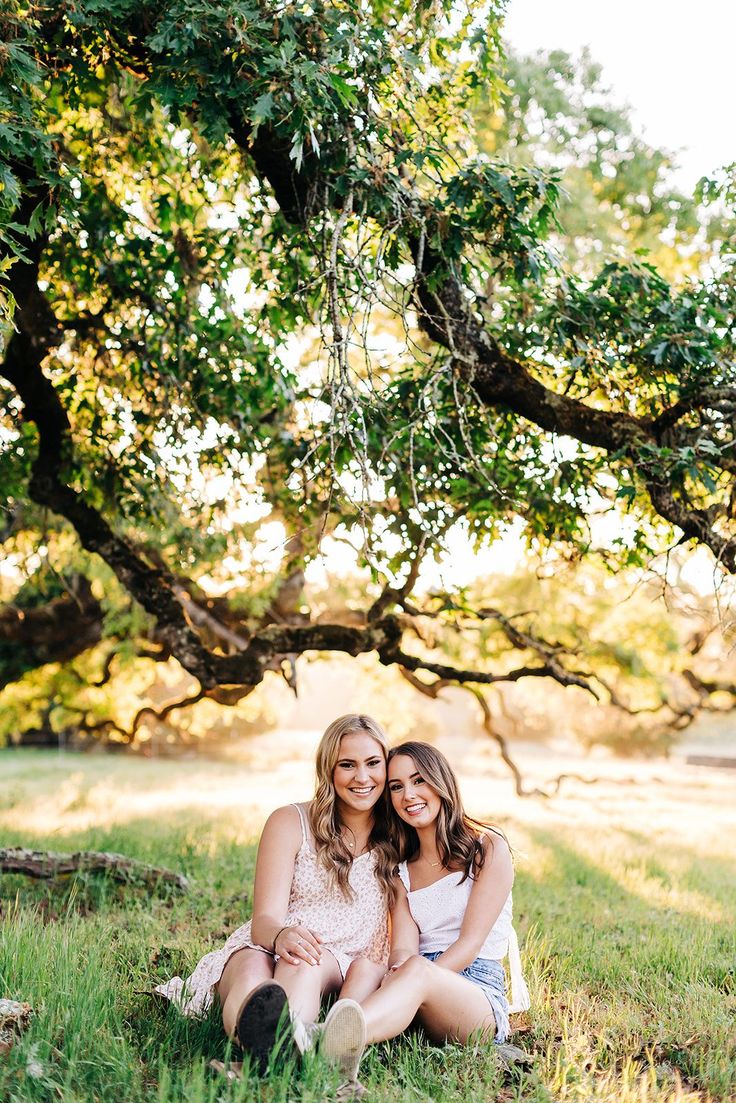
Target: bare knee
(289, 976)
(416, 967)
(243, 970)
(362, 978)
(416, 972)
(242, 973)
(361, 969)
(303, 985)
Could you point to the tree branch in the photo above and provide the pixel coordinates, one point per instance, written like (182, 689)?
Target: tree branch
(552, 787)
(391, 655)
(55, 632)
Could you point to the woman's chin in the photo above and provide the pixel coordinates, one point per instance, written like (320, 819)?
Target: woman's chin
(418, 822)
(359, 803)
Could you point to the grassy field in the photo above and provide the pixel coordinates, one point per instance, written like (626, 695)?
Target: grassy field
(625, 903)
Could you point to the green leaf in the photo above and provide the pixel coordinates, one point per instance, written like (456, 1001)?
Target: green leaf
(345, 92)
(262, 110)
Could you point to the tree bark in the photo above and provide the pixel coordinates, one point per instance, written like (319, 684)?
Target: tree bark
(56, 632)
(46, 865)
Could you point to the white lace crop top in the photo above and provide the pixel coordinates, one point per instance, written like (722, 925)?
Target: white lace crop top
(438, 911)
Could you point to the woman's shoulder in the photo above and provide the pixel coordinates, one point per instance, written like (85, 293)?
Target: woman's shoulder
(401, 878)
(496, 858)
(494, 842)
(287, 819)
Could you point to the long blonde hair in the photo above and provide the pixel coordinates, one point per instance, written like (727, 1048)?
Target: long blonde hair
(323, 814)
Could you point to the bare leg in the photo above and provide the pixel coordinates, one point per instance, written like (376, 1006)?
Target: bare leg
(244, 970)
(450, 1007)
(305, 984)
(362, 978)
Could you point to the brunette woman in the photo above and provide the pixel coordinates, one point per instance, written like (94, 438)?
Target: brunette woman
(451, 923)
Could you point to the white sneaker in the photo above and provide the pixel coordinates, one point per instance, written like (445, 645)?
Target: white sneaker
(343, 1037)
(305, 1034)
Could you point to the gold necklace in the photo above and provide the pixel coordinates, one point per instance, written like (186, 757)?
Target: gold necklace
(433, 865)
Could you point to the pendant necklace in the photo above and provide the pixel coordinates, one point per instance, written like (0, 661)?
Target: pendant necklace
(432, 865)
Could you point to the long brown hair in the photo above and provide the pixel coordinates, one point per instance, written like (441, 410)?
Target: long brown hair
(458, 834)
(323, 813)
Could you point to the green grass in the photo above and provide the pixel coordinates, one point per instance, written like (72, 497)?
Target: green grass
(625, 905)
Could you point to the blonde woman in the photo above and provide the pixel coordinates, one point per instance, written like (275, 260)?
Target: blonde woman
(323, 885)
(451, 923)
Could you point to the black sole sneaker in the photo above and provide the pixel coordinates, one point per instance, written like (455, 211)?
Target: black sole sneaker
(259, 1022)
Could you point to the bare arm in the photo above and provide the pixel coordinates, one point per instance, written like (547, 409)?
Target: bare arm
(404, 931)
(487, 898)
(277, 852)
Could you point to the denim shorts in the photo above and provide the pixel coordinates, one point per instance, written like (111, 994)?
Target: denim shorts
(490, 976)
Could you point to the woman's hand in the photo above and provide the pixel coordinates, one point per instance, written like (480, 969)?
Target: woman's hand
(391, 971)
(297, 943)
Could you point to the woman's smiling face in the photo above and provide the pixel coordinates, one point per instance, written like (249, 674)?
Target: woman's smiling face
(413, 799)
(359, 776)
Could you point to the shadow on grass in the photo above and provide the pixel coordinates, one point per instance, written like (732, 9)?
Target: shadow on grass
(641, 976)
(570, 876)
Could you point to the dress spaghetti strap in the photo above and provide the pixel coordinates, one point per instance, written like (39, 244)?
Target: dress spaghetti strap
(303, 821)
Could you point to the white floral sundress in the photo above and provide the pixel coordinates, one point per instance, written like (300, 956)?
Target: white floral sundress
(348, 928)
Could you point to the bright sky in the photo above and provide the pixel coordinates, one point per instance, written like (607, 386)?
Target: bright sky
(671, 60)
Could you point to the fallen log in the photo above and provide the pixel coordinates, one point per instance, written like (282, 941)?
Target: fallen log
(46, 865)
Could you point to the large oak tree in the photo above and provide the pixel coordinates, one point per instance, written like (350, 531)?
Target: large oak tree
(262, 242)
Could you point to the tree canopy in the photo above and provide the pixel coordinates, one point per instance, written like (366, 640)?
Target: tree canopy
(311, 263)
